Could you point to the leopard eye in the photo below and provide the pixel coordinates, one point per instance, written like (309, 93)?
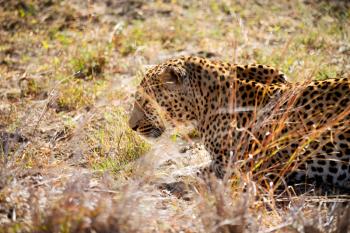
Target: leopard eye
(137, 98)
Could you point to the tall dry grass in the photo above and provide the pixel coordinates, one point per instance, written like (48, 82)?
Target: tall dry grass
(67, 71)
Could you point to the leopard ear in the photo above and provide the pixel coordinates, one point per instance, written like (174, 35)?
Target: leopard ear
(172, 77)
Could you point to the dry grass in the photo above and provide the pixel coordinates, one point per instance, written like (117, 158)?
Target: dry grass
(69, 163)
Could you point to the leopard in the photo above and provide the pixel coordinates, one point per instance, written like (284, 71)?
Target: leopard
(251, 116)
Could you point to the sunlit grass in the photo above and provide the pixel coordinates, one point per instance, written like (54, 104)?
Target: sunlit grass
(66, 81)
(114, 144)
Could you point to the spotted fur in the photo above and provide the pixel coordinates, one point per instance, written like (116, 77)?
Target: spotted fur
(252, 114)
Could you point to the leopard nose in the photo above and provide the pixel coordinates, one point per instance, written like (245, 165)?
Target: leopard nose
(133, 124)
(136, 117)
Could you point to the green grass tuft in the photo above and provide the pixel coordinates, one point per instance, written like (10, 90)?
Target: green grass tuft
(115, 145)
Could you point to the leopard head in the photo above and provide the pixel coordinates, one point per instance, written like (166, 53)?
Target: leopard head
(162, 96)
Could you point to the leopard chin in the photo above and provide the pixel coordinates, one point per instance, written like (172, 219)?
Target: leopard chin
(150, 131)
